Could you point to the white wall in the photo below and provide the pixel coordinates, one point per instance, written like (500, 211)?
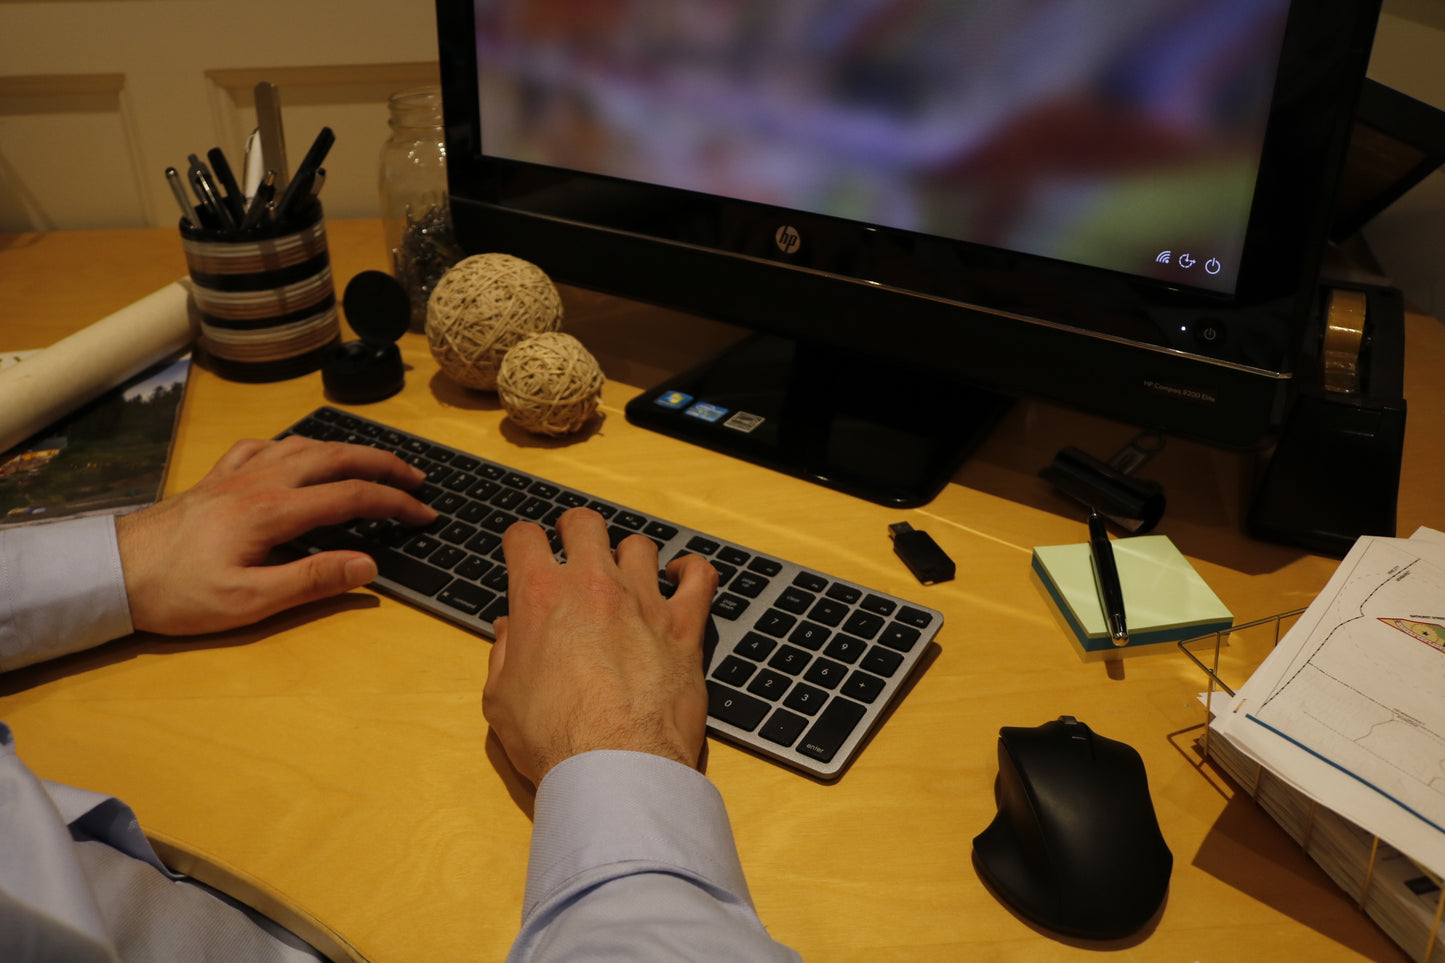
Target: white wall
(98, 97)
(1408, 239)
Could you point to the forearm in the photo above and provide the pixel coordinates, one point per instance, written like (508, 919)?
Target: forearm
(61, 590)
(633, 857)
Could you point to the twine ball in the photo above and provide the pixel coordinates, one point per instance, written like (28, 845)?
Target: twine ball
(550, 384)
(482, 307)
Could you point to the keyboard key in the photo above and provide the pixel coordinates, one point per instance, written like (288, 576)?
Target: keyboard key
(660, 531)
(736, 556)
(783, 727)
(900, 637)
(826, 673)
(734, 671)
(755, 646)
(631, 520)
(702, 546)
(845, 648)
(914, 617)
(789, 659)
(862, 686)
(446, 556)
(465, 597)
(728, 606)
(877, 603)
(881, 661)
(458, 532)
(828, 612)
(810, 635)
(811, 581)
(794, 600)
(761, 565)
(508, 498)
(846, 594)
(832, 729)
(749, 584)
(775, 623)
(805, 699)
(735, 708)
(473, 567)
(770, 685)
(865, 625)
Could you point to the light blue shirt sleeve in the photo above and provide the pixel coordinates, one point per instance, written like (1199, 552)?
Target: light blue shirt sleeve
(61, 589)
(633, 859)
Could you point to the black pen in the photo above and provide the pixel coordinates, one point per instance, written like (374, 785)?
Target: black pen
(1106, 577)
(234, 199)
(205, 189)
(300, 187)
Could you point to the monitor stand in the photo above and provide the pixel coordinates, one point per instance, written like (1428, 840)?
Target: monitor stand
(885, 432)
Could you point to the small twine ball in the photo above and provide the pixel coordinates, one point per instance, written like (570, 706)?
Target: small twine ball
(482, 307)
(550, 384)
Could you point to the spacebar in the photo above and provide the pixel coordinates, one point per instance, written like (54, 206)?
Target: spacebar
(390, 564)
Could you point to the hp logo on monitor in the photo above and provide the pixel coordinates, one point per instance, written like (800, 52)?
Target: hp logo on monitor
(788, 239)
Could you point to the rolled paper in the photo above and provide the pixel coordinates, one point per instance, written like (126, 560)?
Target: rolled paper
(52, 383)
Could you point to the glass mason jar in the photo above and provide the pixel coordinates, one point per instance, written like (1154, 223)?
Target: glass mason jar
(416, 217)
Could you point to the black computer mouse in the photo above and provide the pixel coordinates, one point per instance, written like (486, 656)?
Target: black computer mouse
(1075, 846)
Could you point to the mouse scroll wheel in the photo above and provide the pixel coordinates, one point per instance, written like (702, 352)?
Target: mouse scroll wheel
(1079, 734)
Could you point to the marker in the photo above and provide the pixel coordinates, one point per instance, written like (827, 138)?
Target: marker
(1106, 577)
(301, 185)
(173, 178)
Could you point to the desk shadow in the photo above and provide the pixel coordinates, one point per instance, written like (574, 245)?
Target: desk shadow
(1246, 850)
(146, 643)
(1207, 489)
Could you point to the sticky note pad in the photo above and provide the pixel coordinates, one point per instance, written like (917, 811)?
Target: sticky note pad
(1165, 600)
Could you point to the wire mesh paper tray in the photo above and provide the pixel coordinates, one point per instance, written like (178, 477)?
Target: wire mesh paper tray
(1405, 901)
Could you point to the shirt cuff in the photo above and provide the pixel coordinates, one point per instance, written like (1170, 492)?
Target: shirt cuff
(628, 811)
(61, 589)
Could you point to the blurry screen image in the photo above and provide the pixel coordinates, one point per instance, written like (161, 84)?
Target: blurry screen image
(1120, 136)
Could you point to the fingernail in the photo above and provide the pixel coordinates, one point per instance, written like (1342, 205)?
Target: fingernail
(359, 571)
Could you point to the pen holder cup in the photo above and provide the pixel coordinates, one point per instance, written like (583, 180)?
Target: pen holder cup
(263, 301)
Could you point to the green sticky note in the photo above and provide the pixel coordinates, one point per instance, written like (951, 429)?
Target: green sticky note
(1165, 599)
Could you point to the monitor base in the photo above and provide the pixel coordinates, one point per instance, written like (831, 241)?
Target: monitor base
(880, 431)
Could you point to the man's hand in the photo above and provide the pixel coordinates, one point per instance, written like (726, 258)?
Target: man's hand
(591, 655)
(196, 562)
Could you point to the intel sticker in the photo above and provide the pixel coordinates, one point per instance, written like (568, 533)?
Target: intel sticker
(705, 411)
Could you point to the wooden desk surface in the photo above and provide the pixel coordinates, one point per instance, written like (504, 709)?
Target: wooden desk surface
(334, 761)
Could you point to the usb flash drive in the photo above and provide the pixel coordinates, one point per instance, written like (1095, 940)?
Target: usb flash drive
(921, 554)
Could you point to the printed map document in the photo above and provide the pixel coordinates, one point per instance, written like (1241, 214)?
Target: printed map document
(1349, 708)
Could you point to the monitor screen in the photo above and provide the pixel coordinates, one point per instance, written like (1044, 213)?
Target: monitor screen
(1129, 142)
(1118, 207)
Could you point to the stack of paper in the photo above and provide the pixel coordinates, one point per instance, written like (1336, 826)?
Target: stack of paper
(1348, 714)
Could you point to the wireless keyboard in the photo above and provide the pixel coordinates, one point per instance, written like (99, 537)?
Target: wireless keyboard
(804, 664)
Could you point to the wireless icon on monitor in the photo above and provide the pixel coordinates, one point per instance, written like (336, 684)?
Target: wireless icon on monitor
(1163, 257)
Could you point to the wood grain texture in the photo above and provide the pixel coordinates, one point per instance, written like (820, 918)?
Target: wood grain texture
(334, 762)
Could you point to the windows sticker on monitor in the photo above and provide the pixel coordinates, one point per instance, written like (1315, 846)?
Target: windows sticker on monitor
(922, 209)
